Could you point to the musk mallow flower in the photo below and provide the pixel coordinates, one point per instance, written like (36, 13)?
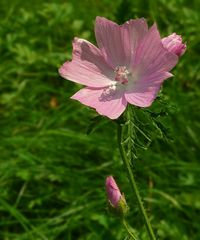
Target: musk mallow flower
(129, 66)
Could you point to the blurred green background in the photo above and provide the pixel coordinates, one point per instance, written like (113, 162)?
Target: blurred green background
(51, 172)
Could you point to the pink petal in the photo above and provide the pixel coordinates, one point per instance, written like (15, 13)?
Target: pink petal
(118, 43)
(111, 108)
(151, 56)
(88, 66)
(146, 91)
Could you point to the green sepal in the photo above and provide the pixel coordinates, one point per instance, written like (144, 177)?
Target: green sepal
(121, 210)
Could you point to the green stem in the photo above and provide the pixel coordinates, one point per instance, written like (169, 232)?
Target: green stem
(133, 183)
(128, 230)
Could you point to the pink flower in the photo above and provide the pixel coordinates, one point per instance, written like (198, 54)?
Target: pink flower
(113, 192)
(173, 43)
(128, 66)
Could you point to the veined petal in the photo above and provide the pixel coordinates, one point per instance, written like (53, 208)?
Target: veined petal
(119, 42)
(145, 91)
(151, 56)
(111, 108)
(88, 66)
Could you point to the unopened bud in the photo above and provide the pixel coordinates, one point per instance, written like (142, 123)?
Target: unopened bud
(173, 43)
(116, 200)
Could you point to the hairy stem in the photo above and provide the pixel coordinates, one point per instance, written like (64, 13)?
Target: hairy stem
(133, 182)
(131, 234)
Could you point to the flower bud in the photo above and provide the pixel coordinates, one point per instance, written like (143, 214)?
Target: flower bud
(173, 43)
(116, 200)
(113, 191)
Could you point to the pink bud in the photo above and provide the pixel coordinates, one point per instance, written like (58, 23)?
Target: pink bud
(113, 192)
(173, 43)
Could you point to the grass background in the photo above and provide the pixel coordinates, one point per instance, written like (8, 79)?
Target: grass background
(51, 173)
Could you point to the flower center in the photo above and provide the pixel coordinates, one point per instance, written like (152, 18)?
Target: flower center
(121, 79)
(121, 74)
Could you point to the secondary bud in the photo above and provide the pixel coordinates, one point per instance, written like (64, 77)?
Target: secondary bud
(113, 191)
(116, 199)
(173, 43)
